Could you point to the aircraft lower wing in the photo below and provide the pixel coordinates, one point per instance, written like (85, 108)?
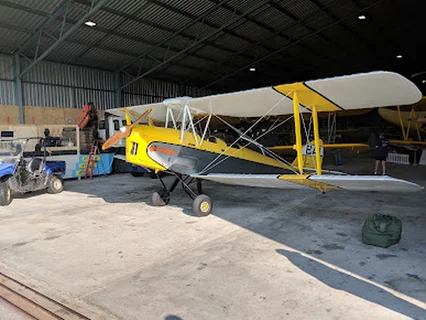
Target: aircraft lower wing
(322, 182)
(327, 146)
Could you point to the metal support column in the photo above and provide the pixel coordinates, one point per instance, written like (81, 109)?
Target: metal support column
(401, 122)
(18, 86)
(117, 88)
(317, 140)
(298, 132)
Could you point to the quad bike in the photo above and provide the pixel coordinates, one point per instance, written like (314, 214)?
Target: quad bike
(23, 175)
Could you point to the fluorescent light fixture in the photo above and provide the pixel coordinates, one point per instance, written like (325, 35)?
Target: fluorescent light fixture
(399, 56)
(90, 23)
(362, 17)
(252, 69)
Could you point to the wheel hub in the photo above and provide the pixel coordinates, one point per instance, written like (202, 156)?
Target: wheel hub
(205, 206)
(57, 184)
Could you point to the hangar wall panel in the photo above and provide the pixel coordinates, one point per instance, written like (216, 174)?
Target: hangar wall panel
(6, 92)
(58, 85)
(6, 80)
(148, 91)
(6, 67)
(50, 84)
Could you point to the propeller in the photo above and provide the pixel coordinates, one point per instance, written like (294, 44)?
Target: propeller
(124, 132)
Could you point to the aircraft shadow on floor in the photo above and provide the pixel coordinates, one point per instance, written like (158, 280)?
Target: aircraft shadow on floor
(352, 285)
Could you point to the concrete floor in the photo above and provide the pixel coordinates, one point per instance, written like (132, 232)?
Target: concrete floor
(263, 254)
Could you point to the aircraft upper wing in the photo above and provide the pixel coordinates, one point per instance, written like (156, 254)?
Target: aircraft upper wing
(365, 90)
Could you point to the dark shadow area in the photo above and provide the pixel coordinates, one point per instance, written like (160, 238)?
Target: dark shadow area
(345, 282)
(172, 317)
(19, 195)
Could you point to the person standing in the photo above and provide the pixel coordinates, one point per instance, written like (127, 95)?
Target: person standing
(382, 150)
(337, 155)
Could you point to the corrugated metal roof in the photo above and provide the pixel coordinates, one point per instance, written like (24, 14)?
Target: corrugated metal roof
(48, 6)
(127, 7)
(133, 47)
(11, 39)
(68, 52)
(128, 28)
(15, 17)
(115, 59)
(193, 8)
(143, 32)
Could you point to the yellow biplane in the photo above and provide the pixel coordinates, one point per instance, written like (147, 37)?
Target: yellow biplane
(185, 147)
(410, 119)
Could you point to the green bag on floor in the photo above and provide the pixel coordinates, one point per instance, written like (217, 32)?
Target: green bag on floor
(381, 230)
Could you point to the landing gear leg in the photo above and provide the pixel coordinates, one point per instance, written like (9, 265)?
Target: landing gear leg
(199, 186)
(202, 204)
(162, 197)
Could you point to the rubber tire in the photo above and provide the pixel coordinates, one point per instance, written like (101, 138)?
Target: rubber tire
(202, 205)
(158, 201)
(54, 186)
(5, 194)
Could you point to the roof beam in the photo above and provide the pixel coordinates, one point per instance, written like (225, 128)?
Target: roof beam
(106, 35)
(162, 27)
(344, 25)
(323, 36)
(290, 45)
(259, 5)
(64, 35)
(207, 23)
(270, 29)
(273, 35)
(62, 10)
(389, 42)
(174, 34)
(98, 28)
(82, 43)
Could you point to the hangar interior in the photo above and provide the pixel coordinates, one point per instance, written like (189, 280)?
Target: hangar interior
(119, 246)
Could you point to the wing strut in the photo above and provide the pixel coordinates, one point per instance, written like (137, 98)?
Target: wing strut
(317, 138)
(298, 132)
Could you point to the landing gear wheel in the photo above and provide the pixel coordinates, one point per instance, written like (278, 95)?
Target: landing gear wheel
(56, 185)
(202, 205)
(160, 199)
(5, 194)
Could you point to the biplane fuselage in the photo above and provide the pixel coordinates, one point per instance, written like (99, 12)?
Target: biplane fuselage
(161, 149)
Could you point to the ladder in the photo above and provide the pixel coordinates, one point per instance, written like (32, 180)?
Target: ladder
(91, 160)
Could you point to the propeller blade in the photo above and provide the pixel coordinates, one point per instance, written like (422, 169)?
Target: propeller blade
(143, 115)
(121, 135)
(114, 140)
